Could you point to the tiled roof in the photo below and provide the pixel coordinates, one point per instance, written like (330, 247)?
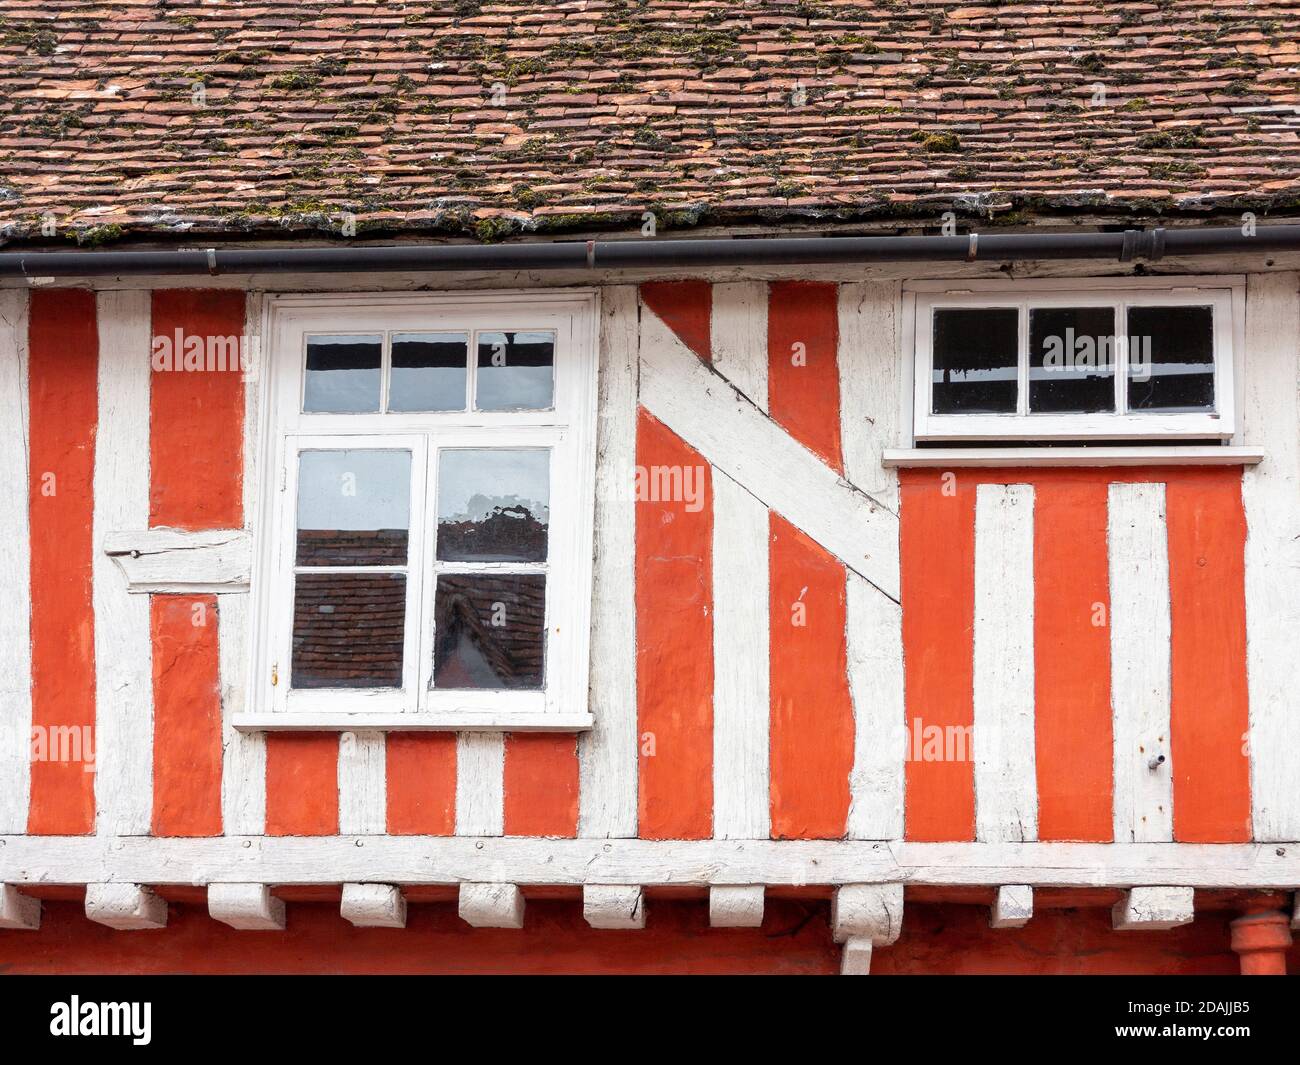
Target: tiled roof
(491, 119)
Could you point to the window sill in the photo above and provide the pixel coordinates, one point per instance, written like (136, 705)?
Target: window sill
(993, 457)
(465, 722)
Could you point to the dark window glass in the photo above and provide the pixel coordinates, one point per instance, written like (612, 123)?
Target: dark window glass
(353, 507)
(343, 374)
(1072, 359)
(489, 630)
(975, 361)
(493, 504)
(1171, 359)
(347, 630)
(428, 372)
(515, 371)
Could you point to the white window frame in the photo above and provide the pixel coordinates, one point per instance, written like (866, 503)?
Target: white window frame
(1226, 294)
(568, 430)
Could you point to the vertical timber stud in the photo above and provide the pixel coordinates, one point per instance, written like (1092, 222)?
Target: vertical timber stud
(736, 906)
(249, 907)
(492, 905)
(864, 916)
(1152, 908)
(373, 905)
(125, 906)
(613, 906)
(1013, 906)
(18, 911)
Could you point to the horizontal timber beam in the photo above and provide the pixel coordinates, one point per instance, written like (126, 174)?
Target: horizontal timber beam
(26, 860)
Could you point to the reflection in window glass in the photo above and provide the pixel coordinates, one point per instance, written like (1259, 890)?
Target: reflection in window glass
(489, 630)
(493, 504)
(1171, 359)
(1072, 359)
(429, 371)
(343, 374)
(975, 356)
(515, 371)
(347, 630)
(353, 507)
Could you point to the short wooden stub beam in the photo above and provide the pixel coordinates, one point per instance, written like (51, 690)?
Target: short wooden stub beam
(1295, 911)
(248, 907)
(125, 906)
(613, 906)
(373, 905)
(492, 905)
(1013, 906)
(1153, 908)
(864, 916)
(738, 906)
(18, 912)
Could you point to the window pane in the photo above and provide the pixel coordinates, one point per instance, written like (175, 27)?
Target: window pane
(975, 361)
(493, 504)
(429, 371)
(489, 630)
(1072, 359)
(514, 371)
(342, 374)
(347, 630)
(353, 507)
(1171, 358)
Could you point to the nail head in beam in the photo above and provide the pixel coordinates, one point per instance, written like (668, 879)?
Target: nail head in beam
(373, 905)
(613, 906)
(492, 905)
(248, 907)
(874, 911)
(855, 959)
(1153, 908)
(1013, 907)
(18, 912)
(125, 906)
(736, 906)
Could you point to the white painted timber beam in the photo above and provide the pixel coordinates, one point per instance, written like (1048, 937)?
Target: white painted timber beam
(736, 906)
(855, 959)
(125, 906)
(613, 906)
(735, 436)
(1150, 908)
(18, 911)
(373, 905)
(172, 560)
(1013, 907)
(492, 905)
(249, 907)
(873, 911)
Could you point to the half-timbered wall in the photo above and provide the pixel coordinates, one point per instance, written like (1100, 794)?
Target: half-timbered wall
(794, 643)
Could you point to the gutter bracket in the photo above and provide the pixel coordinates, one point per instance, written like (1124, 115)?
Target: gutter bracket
(212, 261)
(973, 247)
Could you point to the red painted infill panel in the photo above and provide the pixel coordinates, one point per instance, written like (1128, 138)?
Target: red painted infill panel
(541, 785)
(302, 789)
(686, 307)
(187, 716)
(421, 776)
(803, 375)
(63, 404)
(937, 514)
(196, 439)
(674, 620)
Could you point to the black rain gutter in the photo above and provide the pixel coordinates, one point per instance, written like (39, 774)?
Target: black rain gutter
(1131, 245)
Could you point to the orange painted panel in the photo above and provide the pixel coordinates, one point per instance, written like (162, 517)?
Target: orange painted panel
(541, 785)
(196, 440)
(1208, 712)
(421, 774)
(187, 716)
(302, 791)
(1074, 749)
(938, 595)
(803, 376)
(812, 713)
(686, 307)
(63, 404)
(674, 608)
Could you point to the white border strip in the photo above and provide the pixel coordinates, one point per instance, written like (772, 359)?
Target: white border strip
(995, 457)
